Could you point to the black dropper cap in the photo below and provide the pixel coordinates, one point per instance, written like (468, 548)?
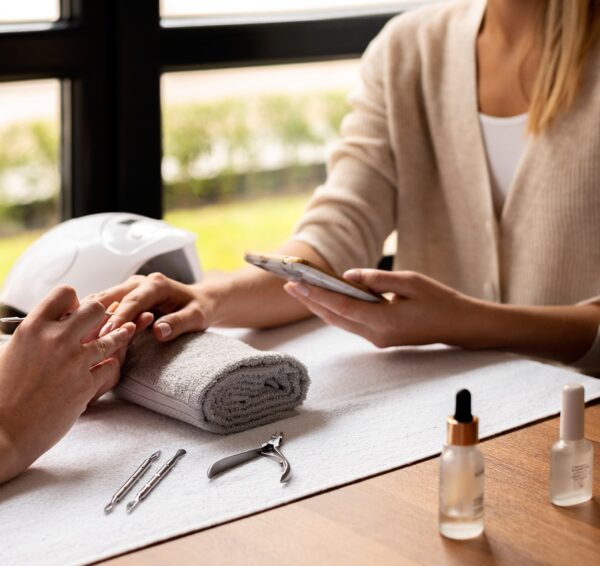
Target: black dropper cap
(463, 427)
(462, 412)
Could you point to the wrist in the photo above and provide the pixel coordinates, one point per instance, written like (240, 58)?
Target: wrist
(562, 334)
(10, 464)
(212, 294)
(477, 325)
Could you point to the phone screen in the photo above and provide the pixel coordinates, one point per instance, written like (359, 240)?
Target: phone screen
(298, 269)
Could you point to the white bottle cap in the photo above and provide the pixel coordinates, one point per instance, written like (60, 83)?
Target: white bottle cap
(571, 416)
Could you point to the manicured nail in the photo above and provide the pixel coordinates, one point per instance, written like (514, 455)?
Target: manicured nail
(301, 289)
(124, 331)
(164, 329)
(113, 307)
(106, 329)
(353, 275)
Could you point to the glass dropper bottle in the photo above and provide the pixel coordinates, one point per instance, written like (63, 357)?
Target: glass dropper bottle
(461, 475)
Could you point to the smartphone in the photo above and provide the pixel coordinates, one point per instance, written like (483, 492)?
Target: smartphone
(298, 269)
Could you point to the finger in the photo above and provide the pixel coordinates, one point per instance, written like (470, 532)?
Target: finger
(152, 292)
(143, 321)
(88, 316)
(120, 355)
(106, 376)
(346, 307)
(403, 283)
(103, 348)
(113, 307)
(113, 295)
(334, 319)
(60, 302)
(189, 319)
(95, 331)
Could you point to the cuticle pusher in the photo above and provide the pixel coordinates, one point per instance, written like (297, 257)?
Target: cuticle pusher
(155, 480)
(20, 319)
(128, 485)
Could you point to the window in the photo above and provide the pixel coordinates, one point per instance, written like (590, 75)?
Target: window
(225, 8)
(29, 164)
(244, 148)
(29, 11)
(103, 62)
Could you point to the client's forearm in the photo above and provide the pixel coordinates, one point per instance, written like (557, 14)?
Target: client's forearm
(253, 298)
(561, 333)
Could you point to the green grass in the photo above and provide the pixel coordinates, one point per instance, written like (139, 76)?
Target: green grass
(224, 231)
(11, 248)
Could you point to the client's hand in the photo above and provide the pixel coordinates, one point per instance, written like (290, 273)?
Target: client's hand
(422, 311)
(51, 369)
(179, 309)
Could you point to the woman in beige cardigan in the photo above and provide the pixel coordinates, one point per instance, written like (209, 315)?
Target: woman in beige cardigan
(475, 268)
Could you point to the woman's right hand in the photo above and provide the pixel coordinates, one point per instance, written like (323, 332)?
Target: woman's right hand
(178, 308)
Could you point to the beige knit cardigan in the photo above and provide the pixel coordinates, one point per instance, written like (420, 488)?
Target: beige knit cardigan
(412, 158)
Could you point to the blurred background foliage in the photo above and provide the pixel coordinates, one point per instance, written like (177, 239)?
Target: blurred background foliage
(29, 177)
(231, 168)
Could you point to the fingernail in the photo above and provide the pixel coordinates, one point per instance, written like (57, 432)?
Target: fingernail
(113, 307)
(301, 289)
(353, 274)
(124, 331)
(164, 329)
(106, 329)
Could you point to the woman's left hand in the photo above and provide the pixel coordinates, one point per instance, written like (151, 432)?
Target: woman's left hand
(421, 311)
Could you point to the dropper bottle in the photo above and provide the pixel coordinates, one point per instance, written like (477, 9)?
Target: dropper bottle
(572, 457)
(461, 475)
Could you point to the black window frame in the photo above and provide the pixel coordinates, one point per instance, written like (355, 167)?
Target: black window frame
(109, 56)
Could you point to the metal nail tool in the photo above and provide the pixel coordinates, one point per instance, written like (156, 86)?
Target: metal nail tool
(19, 319)
(128, 485)
(155, 480)
(269, 449)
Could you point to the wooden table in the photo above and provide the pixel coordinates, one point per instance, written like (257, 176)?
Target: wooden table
(392, 518)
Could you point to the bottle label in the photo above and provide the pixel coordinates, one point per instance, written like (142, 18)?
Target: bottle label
(579, 474)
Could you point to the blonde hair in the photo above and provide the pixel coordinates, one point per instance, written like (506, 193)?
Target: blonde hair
(569, 29)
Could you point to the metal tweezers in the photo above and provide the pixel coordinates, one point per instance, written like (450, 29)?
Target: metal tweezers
(269, 450)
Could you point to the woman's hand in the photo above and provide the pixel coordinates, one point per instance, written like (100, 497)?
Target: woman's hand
(421, 311)
(50, 371)
(177, 305)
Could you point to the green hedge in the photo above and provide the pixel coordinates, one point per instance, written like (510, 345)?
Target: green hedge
(227, 139)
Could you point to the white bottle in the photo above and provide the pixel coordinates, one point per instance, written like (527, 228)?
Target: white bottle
(461, 475)
(572, 457)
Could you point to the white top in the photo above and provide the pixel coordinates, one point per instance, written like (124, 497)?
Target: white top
(504, 140)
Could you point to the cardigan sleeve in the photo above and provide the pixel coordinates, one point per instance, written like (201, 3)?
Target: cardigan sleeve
(349, 217)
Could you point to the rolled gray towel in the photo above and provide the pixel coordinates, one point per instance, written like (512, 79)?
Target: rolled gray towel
(211, 381)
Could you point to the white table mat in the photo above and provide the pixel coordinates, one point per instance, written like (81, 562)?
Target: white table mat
(367, 411)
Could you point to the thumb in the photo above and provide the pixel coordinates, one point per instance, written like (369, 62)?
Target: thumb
(402, 283)
(190, 318)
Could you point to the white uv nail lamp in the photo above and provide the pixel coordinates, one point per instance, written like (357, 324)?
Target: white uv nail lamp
(96, 252)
